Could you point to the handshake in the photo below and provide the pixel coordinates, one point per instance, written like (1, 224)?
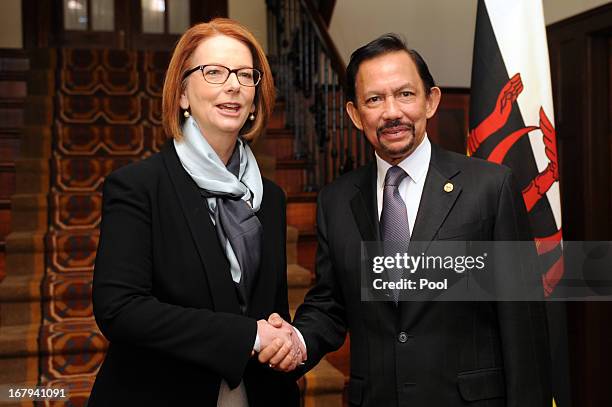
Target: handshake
(280, 345)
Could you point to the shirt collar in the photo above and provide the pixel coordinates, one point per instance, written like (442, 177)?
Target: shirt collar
(415, 165)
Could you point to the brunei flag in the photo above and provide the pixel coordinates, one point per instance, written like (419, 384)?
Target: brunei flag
(512, 123)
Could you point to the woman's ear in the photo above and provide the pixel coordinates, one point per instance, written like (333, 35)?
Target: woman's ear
(184, 100)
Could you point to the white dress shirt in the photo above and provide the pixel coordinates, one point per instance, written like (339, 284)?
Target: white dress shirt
(410, 189)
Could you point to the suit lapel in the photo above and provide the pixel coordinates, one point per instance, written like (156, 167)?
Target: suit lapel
(364, 206)
(216, 266)
(436, 201)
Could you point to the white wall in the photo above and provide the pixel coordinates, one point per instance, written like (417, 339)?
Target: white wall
(251, 13)
(441, 30)
(557, 10)
(10, 24)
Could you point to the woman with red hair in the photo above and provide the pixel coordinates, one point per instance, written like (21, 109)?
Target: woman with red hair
(191, 259)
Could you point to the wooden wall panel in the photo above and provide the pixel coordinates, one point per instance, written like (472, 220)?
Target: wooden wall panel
(449, 126)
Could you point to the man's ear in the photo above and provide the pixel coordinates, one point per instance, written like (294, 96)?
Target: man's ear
(354, 115)
(433, 100)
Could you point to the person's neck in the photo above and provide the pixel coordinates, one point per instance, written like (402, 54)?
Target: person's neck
(223, 145)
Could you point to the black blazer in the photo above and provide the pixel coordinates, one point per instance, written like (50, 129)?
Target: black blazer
(164, 297)
(426, 353)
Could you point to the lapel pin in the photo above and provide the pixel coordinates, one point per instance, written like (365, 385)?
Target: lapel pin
(448, 187)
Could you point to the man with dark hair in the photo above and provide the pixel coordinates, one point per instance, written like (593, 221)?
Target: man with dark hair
(418, 353)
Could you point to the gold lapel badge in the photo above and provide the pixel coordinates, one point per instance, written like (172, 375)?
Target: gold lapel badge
(448, 187)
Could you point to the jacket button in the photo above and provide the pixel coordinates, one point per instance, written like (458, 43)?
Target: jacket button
(402, 337)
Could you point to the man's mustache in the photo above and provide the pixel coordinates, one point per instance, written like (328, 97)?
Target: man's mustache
(394, 124)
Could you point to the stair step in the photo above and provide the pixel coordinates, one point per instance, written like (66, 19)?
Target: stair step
(278, 143)
(25, 252)
(29, 212)
(292, 245)
(32, 175)
(19, 288)
(279, 133)
(9, 147)
(19, 313)
(19, 340)
(13, 86)
(291, 174)
(2, 263)
(298, 277)
(80, 336)
(307, 248)
(36, 142)
(292, 164)
(13, 61)
(21, 297)
(277, 121)
(19, 370)
(11, 116)
(341, 359)
(324, 385)
(305, 197)
(41, 82)
(38, 110)
(65, 287)
(266, 164)
(301, 210)
(68, 241)
(299, 281)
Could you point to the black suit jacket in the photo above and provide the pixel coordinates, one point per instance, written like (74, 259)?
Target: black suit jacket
(164, 297)
(426, 353)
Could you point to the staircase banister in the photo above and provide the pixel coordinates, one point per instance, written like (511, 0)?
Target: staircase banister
(321, 31)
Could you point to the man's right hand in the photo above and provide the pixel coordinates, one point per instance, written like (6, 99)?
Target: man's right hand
(278, 347)
(276, 355)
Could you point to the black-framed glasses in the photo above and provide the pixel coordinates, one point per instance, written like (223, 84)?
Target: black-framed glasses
(218, 74)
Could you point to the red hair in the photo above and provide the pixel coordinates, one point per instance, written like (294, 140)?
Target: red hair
(174, 86)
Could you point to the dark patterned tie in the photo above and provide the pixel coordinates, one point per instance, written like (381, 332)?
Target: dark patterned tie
(394, 224)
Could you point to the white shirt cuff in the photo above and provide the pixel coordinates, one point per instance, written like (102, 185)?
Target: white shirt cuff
(257, 345)
(297, 331)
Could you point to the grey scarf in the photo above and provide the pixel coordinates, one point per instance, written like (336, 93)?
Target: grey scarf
(233, 195)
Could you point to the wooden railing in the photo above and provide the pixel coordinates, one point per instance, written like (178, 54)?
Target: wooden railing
(310, 77)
